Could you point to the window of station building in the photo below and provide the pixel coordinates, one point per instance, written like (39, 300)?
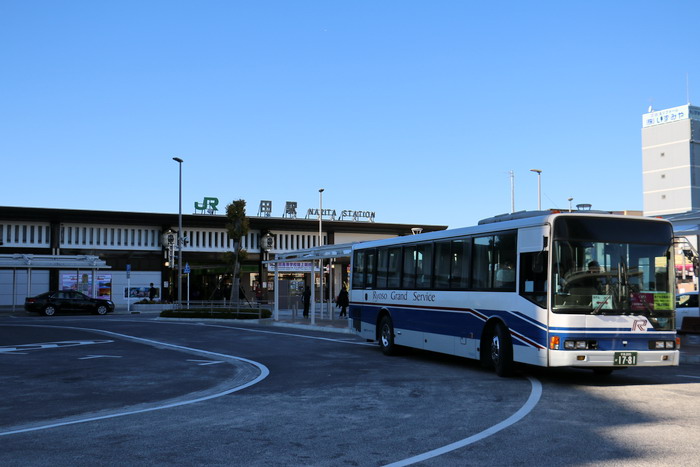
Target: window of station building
(119, 237)
(1, 231)
(83, 237)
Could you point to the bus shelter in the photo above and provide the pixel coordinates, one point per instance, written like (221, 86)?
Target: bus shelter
(317, 258)
(42, 262)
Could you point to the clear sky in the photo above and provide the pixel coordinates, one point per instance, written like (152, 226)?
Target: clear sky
(416, 110)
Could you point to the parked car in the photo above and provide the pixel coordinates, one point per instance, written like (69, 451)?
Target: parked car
(50, 303)
(686, 306)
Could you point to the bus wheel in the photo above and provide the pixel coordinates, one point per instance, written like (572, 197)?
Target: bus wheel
(386, 336)
(501, 351)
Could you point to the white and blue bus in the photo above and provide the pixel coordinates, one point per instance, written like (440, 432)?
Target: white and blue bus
(552, 289)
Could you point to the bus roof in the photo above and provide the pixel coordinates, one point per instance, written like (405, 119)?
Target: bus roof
(500, 223)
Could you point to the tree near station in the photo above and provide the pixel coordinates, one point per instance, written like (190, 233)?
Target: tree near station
(237, 227)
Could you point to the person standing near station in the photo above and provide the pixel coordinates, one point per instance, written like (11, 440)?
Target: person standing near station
(152, 292)
(342, 302)
(306, 298)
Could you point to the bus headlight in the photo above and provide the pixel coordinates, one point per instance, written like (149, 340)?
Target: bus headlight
(662, 345)
(580, 345)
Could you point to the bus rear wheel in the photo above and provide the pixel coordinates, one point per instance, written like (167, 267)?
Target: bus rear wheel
(501, 351)
(386, 336)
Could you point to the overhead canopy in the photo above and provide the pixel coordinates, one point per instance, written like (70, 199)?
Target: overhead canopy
(310, 254)
(22, 261)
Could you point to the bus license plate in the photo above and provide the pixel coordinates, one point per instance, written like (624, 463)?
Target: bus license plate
(625, 358)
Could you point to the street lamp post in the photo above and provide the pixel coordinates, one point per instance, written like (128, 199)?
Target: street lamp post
(320, 242)
(179, 235)
(539, 188)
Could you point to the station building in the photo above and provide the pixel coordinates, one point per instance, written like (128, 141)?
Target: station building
(134, 251)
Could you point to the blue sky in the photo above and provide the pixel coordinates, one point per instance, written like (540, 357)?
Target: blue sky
(416, 110)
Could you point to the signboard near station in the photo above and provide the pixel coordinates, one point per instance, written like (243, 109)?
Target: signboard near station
(675, 114)
(291, 266)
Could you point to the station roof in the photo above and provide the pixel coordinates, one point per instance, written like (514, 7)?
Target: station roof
(22, 261)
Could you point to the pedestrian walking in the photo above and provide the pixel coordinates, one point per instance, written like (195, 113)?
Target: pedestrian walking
(306, 298)
(342, 302)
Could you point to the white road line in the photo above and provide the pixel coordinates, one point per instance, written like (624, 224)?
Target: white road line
(277, 333)
(689, 376)
(206, 362)
(264, 372)
(535, 394)
(89, 357)
(49, 345)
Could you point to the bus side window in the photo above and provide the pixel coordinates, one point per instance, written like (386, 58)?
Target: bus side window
(370, 268)
(358, 272)
(382, 267)
(394, 271)
(459, 264)
(442, 265)
(533, 277)
(482, 263)
(409, 268)
(424, 266)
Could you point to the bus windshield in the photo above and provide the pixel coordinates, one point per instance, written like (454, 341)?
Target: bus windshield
(612, 268)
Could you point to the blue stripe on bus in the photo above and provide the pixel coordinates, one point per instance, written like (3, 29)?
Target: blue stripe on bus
(457, 322)
(460, 322)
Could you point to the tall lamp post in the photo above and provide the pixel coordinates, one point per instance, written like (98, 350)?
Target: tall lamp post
(320, 242)
(179, 236)
(539, 188)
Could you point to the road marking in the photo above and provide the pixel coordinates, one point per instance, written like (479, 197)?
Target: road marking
(689, 376)
(99, 356)
(535, 394)
(264, 372)
(277, 333)
(48, 345)
(206, 362)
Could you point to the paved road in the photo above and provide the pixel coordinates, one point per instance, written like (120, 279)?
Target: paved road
(116, 390)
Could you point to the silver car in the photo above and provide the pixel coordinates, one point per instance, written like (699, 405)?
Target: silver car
(686, 306)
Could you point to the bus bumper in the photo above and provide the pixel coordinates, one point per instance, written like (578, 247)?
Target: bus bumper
(596, 358)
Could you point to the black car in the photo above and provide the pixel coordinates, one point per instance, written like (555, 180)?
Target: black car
(50, 303)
